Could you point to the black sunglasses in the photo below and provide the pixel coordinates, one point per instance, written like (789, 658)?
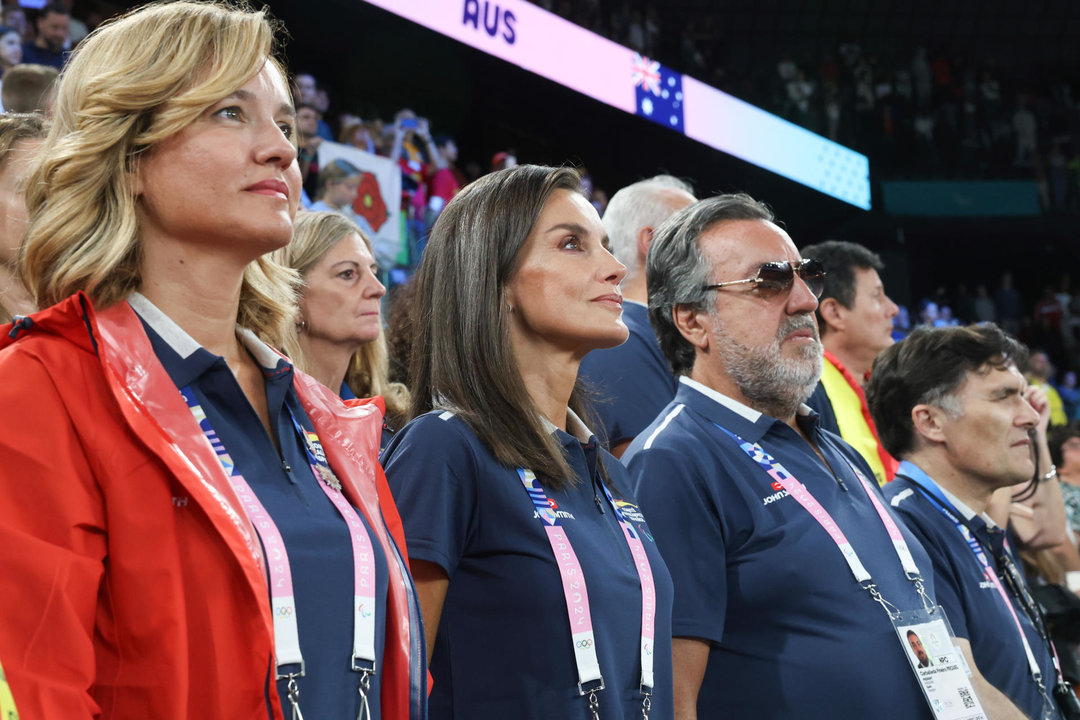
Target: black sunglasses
(774, 278)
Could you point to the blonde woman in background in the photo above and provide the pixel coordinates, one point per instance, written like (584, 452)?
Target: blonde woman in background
(338, 335)
(185, 547)
(20, 138)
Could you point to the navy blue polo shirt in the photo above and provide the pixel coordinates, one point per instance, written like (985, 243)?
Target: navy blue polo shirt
(792, 634)
(633, 381)
(503, 649)
(316, 537)
(971, 600)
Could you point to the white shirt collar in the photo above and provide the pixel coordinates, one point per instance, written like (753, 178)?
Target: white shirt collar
(574, 426)
(730, 403)
(183, 344)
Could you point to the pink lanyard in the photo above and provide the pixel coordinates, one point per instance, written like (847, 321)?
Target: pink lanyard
(590, 681)
(802, 495)
(282, 599)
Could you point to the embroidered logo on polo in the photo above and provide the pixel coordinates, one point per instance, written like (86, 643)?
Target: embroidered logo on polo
(778, 495)
(543, 508)
(630, 511)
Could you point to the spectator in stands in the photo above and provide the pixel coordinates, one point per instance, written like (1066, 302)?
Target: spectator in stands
(1039, 373)
(515, 288)
(503, 160)
(159, 428)
(10, 48)
(29, 88)
(768, 620)
(338, 335)
(359, 136)
(1070, 395)
(15, 17)
(50, 45)
(855, 318)
(77, 29)
(447, 180)
(984, 306)
(307, 92)
(1009, 304)
(20, 138)
(322, 104)
(415, 152)
(308, 142)
(952, 405)
(1064, 444)
(633, 382)
(338, 185)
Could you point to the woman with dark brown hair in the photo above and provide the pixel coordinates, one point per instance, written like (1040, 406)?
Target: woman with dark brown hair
(542, 590)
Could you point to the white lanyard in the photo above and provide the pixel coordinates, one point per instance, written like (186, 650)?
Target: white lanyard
(283, 605)
(575, 592)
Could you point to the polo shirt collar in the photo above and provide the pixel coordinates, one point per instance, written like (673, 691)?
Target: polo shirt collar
(915, 472)
(575, 427)
(190, 358)
(741, 419)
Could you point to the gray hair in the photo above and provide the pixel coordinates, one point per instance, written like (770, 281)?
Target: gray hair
(676, 271)
(637, 206)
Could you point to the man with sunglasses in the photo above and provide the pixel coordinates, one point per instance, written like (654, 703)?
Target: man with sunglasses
(952, 405)
(769, 525)
(855, 316)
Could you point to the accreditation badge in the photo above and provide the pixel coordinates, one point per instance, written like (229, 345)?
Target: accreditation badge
(943, 674)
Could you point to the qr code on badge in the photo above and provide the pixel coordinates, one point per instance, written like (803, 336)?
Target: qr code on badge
(965, 696)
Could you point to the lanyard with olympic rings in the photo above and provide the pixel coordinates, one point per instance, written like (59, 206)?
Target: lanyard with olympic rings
(575, 592)
(283, 605)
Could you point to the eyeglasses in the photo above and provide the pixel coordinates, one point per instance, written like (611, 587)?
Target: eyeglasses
(775, 278)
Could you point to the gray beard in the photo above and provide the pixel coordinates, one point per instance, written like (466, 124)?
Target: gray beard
(773, 384)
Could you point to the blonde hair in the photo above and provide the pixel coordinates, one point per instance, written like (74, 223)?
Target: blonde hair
(314, 233)
(132, 83)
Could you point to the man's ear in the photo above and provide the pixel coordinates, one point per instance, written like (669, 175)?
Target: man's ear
(644, 240)
(833, 313)
(691, 324)
(929, 422)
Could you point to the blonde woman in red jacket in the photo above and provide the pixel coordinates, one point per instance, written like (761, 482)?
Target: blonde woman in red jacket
(190, 528)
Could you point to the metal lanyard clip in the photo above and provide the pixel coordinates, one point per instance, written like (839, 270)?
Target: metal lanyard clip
(294, 696)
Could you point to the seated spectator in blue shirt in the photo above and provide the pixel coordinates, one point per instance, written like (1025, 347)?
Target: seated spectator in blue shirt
(951, 404)
(338, 335)
(338, 185)
(769, 619)
(505, 494)
(633, 381)
(50, 45)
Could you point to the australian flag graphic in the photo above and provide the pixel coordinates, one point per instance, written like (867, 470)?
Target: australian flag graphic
(658, 93)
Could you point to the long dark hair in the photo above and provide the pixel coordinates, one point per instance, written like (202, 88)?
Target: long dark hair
(464, 361)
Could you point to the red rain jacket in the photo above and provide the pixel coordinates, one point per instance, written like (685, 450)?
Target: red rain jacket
(134, 585)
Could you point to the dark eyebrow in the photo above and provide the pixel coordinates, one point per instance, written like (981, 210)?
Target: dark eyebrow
(1007, 391)
(578, 229)
(572, 227)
